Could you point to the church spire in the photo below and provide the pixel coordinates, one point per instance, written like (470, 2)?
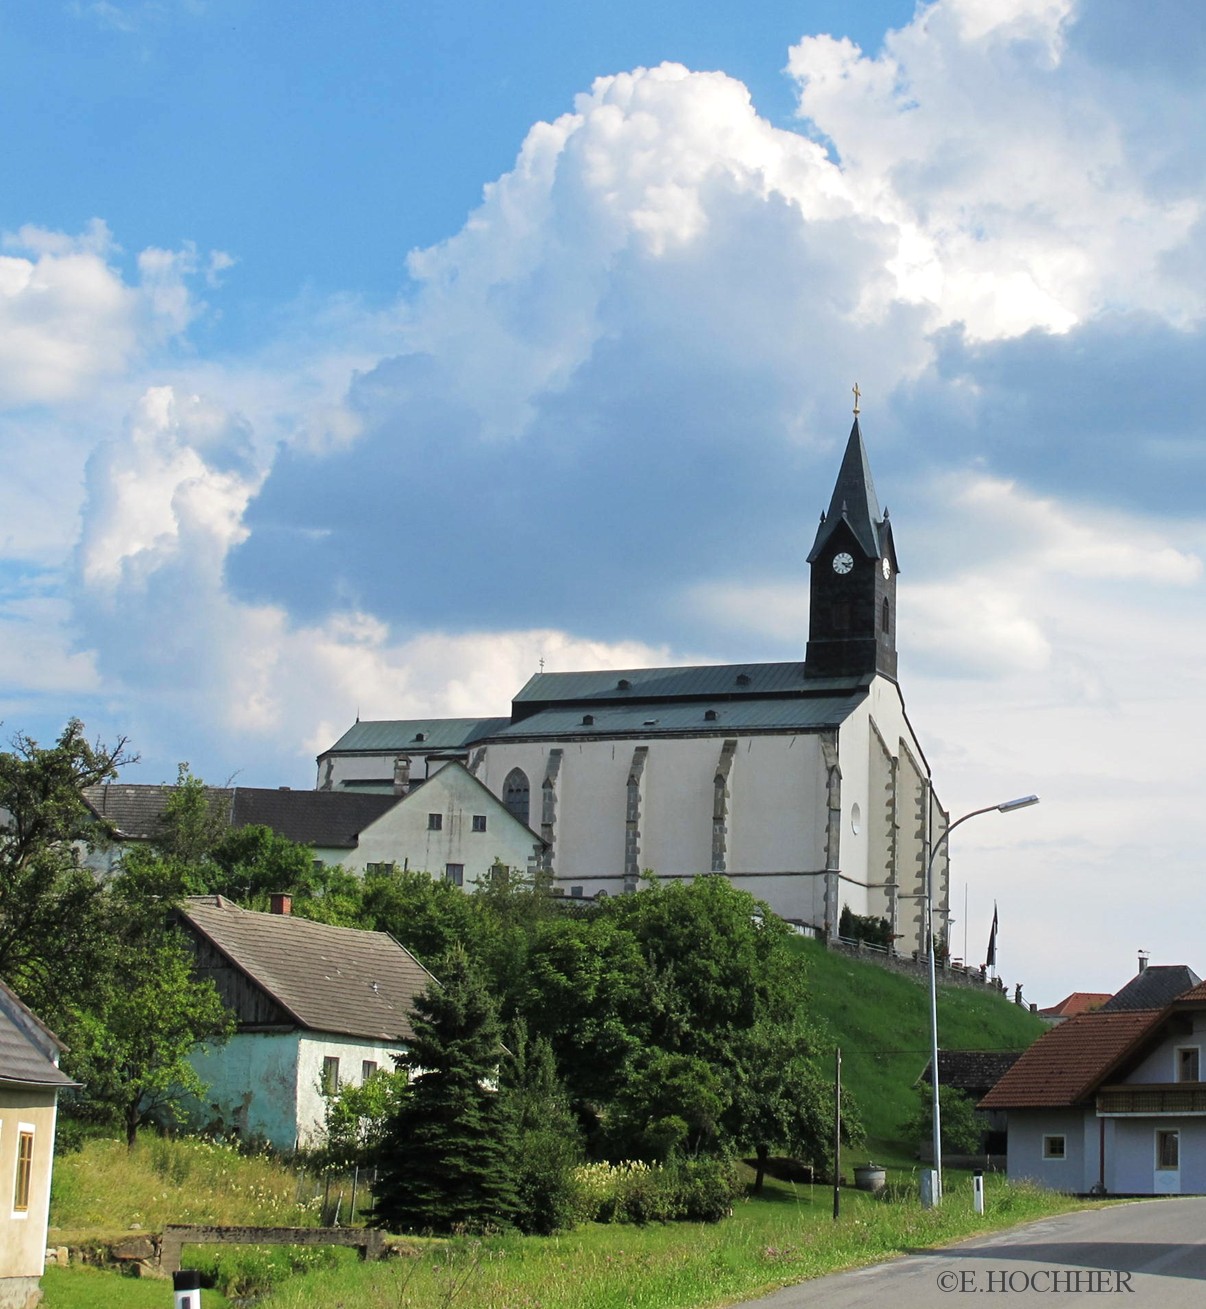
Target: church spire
(853, 501)
(852, 613)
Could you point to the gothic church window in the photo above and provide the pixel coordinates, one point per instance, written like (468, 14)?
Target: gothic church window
(885, 619)
(517, 795)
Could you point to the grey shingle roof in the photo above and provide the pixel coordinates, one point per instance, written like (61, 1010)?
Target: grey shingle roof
(330, 979)
(654, 718)
(401, 734)
(974, 1071)
(136, 811)
(708, 681)
(1156, 986)
(321, 818)
(28, 1048)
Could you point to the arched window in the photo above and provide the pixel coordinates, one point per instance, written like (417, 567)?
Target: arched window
(885, 621)
(517, 794)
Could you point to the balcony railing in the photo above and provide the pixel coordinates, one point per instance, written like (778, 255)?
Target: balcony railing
(1154, 1098)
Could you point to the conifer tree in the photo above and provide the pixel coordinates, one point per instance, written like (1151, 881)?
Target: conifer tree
(447, 1159)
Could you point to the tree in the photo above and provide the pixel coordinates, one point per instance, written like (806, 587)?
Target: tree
(50, 936)
(962, 1131)
(447, 1160)
(143, 1020)
(356, 1117)
(548, 1141)
(782, 1101)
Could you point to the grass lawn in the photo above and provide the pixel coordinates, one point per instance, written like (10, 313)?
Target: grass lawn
(79, 1287)
(786, 1236)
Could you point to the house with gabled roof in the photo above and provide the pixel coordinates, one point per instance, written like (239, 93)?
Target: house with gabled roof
(1112, 1102)
(974, 1073)
(30, 1082)
(317, 1007)
(450, 825)
(1079, 1002)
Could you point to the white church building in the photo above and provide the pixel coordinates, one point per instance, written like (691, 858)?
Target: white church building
(803, 781)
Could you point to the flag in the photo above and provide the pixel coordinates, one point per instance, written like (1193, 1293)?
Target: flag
(991, 961)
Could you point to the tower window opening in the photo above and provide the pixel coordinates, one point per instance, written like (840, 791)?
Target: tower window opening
(885, 621)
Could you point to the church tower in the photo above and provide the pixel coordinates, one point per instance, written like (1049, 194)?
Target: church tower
(852, 612)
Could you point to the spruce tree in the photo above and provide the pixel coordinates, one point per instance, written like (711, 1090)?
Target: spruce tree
(448, 1154)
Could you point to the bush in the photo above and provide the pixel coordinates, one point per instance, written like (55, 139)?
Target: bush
(705, 1189)
(690, 1190)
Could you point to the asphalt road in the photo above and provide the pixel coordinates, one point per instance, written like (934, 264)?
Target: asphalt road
(1147, 1255)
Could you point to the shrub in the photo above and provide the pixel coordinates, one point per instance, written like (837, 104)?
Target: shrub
(705, 1189)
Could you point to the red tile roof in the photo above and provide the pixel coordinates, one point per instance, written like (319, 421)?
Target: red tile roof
(1079, 1002)
(1066, 1064)
(1195, 995)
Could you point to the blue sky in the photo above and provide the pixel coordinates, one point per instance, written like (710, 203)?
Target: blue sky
(354, 364)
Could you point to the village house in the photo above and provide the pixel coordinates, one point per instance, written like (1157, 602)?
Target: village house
(317, 1007)
(30, 1082)
(451, 827)
(1112, 1102)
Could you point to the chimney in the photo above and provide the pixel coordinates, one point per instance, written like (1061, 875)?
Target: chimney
(280, 902)
(1143, 961)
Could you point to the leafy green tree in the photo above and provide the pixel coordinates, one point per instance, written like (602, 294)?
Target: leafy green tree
(449, 1151)
(428, 915)
(962, 1131)
(51, 924)
(671, 1103)
(548, 1141)
(782, 1101)
(356, 1116)
(132, 1042)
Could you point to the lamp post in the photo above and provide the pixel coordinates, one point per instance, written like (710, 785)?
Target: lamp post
(1005, 807)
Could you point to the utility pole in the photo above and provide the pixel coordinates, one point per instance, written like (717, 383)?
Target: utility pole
(837, 1132)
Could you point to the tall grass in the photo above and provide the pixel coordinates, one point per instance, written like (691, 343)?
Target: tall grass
(105, 1188)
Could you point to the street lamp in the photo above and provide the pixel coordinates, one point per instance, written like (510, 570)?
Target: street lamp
(1005, 807)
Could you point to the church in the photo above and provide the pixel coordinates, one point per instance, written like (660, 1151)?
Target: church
(803, 781)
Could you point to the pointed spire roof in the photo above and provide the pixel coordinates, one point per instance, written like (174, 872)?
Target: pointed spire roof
(853, 501)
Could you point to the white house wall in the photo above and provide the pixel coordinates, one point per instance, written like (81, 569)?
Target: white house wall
(23, 1235)
(403, 836)
(267, 1084)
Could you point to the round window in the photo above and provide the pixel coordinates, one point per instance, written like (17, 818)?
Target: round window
(856, 819)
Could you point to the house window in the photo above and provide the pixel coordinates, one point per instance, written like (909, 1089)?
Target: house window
(455, 873)
(1054, 1147)
(575, 893)
(435, 822)
(367, 1069)
(479, 822)
(517, 795)
(380, 870)
(1168, 1150)
(25, 1141)
(330, 1075)
(1189, 1060)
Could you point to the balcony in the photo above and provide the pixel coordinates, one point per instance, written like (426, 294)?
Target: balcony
(1153, 1098)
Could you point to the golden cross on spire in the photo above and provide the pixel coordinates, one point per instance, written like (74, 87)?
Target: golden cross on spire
(857, 396)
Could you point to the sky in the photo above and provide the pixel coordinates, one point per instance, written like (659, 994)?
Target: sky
(355, 359)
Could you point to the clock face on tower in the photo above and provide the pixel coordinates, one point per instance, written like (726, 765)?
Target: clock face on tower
(843, 562)
(886, 566)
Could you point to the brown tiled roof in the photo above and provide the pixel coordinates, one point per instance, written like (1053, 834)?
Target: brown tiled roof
(1079, 1002)
(28, 1048)
(1195, 995)
(330, 979)
(327, 819)
(1067, 1063)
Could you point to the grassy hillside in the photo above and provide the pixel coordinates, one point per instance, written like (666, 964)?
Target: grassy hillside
(881, 1021)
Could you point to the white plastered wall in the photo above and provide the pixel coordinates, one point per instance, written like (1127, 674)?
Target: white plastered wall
(23, 1234)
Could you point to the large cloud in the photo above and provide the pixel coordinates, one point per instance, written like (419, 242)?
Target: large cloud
(611, 405)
